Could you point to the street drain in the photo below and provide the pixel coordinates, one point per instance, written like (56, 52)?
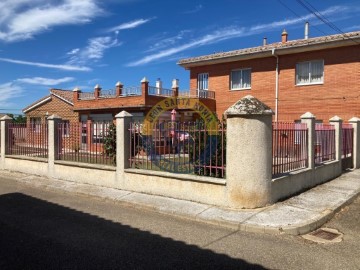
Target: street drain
(324, 235)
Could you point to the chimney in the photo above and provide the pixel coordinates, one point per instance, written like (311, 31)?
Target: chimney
(144, 86)
(97, 90)
(119, 87)
(306, 30)
(76, 94)
(284, 36)
(158, 86)
(175, 87)
(264, 41)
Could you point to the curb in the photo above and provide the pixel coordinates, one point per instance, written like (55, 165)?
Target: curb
(175, 207)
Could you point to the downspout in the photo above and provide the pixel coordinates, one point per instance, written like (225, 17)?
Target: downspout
(276, 85)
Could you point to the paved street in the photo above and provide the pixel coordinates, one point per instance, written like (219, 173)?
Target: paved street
(49, 229)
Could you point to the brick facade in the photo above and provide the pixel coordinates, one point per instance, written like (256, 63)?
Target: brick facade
(338, 95)
(115, 104)
(53, 106)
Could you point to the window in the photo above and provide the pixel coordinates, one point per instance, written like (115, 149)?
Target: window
(310, 72)
(241, 79)
(35, 123)
(203, 81)
(66, 128)
(100, 130)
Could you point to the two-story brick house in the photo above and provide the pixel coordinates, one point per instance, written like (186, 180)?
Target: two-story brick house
(320, 75)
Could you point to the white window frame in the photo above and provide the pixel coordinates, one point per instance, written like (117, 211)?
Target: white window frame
(201, 79)
(241, 82)
(66, 128)
(35, 123)
(309, 63)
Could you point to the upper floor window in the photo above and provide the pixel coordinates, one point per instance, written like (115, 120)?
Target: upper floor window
(241, 79)
(203, 81)
(310, 72)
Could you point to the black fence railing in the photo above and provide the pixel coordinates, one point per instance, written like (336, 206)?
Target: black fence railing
(86, 142)
(187, 148)
(290, 144)
(324, 143)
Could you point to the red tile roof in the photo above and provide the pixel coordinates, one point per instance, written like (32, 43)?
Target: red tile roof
(352, 36)
(67, 95)
(34, 104)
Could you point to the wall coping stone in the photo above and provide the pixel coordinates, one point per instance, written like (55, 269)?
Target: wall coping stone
(249, 105)
(123, 114)
(183, 177)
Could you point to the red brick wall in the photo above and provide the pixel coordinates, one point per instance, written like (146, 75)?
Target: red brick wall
(54, 106)
(338, 95)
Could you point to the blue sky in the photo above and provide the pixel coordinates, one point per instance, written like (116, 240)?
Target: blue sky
(80, 43)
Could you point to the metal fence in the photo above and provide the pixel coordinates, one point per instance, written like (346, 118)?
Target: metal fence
(110, 93)
(290, 144)
(131, 91)
(179, 147)
(324, 143)
(84, 142)
(86, 95)
(194, 93)
(28, 140)
(156, 91)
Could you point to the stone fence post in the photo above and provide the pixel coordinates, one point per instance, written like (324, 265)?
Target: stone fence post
(309, 119)
(248, 153)
(144, 87)
(336, 121)
(123, 120)
(5, 137)
(355, 121)
(53, 142)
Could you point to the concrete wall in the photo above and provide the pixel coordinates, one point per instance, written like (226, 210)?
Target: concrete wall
(35, 166)
(248, 184)
(298, 181)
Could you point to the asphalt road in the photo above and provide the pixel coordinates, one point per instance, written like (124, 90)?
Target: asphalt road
(48, 229)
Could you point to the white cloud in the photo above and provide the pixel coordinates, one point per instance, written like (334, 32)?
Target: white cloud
(214, 37)
(45, 81)
(73, 51)
(166, 42)
(23, 19)
(129, 25)
(229, 33)
(94, 51)
(36, 64)
(287, 22)
(196, 9)
(9, 91)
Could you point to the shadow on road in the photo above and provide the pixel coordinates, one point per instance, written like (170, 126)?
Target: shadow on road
(36, 234)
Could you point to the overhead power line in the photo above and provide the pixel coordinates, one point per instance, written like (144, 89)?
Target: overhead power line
(305, 4)
(300, 17)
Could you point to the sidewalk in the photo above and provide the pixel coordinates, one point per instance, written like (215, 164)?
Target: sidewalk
(297, 215)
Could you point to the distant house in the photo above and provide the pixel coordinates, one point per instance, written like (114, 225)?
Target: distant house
(103, 105)
(320, 75)
(59, 102)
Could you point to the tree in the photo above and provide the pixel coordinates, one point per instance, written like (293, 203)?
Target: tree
(110, 143)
